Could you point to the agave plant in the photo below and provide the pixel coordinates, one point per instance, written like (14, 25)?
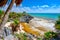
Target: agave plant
(6, 14)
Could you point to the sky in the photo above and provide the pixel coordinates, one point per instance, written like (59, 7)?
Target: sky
(37, 6)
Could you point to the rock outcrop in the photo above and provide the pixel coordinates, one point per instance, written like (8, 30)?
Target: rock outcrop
(26, 18)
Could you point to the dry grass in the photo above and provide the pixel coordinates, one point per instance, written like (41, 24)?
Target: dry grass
(28, 29)
(42, 29)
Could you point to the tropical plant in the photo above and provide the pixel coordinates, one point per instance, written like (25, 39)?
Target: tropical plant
(21, 36)
(6, 14)
(39, 39)
(14, 15)
(15, 26)
(16, 22)
(57, 25)
(49, 35)
(1, 13)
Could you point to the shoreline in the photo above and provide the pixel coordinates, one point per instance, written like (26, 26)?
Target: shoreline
(51, 16)
(47, 19)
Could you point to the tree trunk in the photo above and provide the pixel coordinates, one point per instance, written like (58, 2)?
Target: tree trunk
(6, 15)
(5, 18)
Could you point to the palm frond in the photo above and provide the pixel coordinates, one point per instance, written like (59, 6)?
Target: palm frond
(3, 2)
(18, 2)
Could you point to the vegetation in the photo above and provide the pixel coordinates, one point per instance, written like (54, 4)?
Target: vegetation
(57, 25)
(16, 17)
(21, 36)
(12, 16)
(1, 15)
(49, 35)
(39, 38)
(6, 14)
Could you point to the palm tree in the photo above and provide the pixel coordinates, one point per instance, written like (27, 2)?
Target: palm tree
(6, 14)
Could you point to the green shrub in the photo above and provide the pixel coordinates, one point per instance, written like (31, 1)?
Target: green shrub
(49, 35)
(57, 24)
(22, 36)
(39, 39)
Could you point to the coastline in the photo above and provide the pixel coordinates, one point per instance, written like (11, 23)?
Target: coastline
(47, 19)
(50, 16)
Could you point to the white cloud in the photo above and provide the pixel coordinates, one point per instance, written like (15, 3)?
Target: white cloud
(45, 6)
(35, 9)
(36, 6)
(53, 6)
(33, 6)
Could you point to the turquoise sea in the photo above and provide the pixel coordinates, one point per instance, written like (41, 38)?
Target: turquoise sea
(53, 16)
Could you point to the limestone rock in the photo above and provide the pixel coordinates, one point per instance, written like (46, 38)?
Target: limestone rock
(10, 37)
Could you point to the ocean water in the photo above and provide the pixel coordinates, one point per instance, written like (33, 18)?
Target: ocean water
(53, 16)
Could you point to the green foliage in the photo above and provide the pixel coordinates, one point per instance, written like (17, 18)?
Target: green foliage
(24, 36)
(57, 25)
(0, 20)
(39, 39)
(2, 38)
(0, 12)
(14, 15)
(16, 22)
(1, 15)
(21, 36)
(50, 34)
